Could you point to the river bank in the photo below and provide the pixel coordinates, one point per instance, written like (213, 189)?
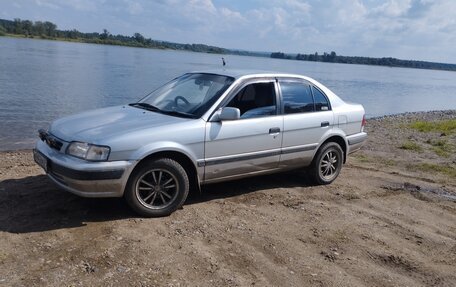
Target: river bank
(388, 220)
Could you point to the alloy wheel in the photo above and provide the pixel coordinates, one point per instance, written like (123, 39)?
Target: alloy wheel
(329, 165)
(157, 189)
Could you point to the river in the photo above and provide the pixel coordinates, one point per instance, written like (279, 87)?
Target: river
(42, 80)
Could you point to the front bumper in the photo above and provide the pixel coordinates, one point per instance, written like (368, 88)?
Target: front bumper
(83, 178)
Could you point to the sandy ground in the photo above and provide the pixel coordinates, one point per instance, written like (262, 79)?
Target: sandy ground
(388, 220)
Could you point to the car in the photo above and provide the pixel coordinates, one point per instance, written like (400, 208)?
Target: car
(201, 128)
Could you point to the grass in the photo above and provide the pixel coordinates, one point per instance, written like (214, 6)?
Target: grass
(362, 157)
(444, 126)
(441, 147)
(410, 145)
(449, 170)
(388, 162)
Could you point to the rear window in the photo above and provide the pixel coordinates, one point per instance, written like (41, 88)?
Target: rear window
(321, 102)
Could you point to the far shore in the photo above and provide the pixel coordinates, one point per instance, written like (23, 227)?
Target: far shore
(349, 60)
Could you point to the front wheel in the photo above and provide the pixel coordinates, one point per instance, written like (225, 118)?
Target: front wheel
(327, 163)
(157, 188)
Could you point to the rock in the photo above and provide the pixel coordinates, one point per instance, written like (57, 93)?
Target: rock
(89, 268)
(122, 269)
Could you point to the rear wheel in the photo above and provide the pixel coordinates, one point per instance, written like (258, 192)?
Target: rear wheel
(327, 163)
(157, 188)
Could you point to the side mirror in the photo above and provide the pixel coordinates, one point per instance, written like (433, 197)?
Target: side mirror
(228, 114)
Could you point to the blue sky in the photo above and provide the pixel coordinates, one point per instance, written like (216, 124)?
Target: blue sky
(406, 29)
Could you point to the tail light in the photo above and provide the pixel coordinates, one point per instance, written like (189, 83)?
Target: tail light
(363, 123)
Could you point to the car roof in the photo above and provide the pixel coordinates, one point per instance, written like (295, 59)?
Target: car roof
(239, 73)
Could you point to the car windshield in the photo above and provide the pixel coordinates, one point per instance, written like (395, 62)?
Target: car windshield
(190, 95)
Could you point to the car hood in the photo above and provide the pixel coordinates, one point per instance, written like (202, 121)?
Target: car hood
(97, 125)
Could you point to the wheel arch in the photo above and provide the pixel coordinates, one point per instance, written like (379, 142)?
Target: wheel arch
(184, 160)
(340, 140)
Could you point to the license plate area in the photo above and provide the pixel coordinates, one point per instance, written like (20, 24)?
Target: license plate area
(41, 160)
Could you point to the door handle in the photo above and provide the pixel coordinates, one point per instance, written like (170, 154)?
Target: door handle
(324, 124)
(274, 130)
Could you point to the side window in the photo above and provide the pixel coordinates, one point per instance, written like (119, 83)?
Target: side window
(297, 97)
(321, 102)
(255, 100)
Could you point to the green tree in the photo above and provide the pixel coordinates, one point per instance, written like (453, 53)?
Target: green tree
(49, 28)
(17, 26)
(40, 29)
(73, 34)
(139, 38)
(105, 35)
(27, 27)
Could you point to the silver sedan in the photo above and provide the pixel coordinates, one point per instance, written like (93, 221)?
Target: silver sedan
(200, 128)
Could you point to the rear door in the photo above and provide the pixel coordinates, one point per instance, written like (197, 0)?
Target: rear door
(307, 117)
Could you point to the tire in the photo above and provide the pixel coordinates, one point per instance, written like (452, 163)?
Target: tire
(157, 188)
(327, 163)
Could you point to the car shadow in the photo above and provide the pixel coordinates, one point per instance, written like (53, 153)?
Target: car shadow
(35, 204)
(234, 188)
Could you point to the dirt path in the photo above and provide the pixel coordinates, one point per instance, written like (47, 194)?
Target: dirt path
(388, 220)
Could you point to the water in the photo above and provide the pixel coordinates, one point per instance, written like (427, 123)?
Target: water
(44, 80)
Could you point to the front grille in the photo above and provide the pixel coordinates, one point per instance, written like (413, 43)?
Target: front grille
(50, 140)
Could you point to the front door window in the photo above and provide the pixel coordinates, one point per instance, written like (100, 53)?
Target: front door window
(255, 100)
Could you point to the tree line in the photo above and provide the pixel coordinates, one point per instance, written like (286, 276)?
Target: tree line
(389, 62)
(48, 30)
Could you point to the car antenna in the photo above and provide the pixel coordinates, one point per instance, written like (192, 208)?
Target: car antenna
(223, 61)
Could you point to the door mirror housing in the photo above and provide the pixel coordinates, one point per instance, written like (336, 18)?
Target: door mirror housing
(227, 114)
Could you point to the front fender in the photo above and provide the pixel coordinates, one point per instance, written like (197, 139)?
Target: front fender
(161, 146)
(168, 146)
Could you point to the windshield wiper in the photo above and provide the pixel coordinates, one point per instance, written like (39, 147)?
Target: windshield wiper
(146, 106)
(150, 107)
(179, 114)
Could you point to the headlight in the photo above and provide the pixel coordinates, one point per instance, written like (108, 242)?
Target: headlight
(88, 151)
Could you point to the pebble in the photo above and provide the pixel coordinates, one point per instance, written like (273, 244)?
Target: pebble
(122, 269)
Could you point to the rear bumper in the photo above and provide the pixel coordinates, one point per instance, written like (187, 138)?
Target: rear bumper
(83, 178)
(356, 141)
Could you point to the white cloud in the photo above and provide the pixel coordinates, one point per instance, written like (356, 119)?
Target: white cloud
(134, 8)
(79, 5)
(44, 3)
(298, 6)
(350, 12)
(393, 8)
(234, 15)
(83, 5)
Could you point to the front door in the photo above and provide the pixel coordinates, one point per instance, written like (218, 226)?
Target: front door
(250, 144)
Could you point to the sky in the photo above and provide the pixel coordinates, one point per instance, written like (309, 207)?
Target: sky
(404, 29)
